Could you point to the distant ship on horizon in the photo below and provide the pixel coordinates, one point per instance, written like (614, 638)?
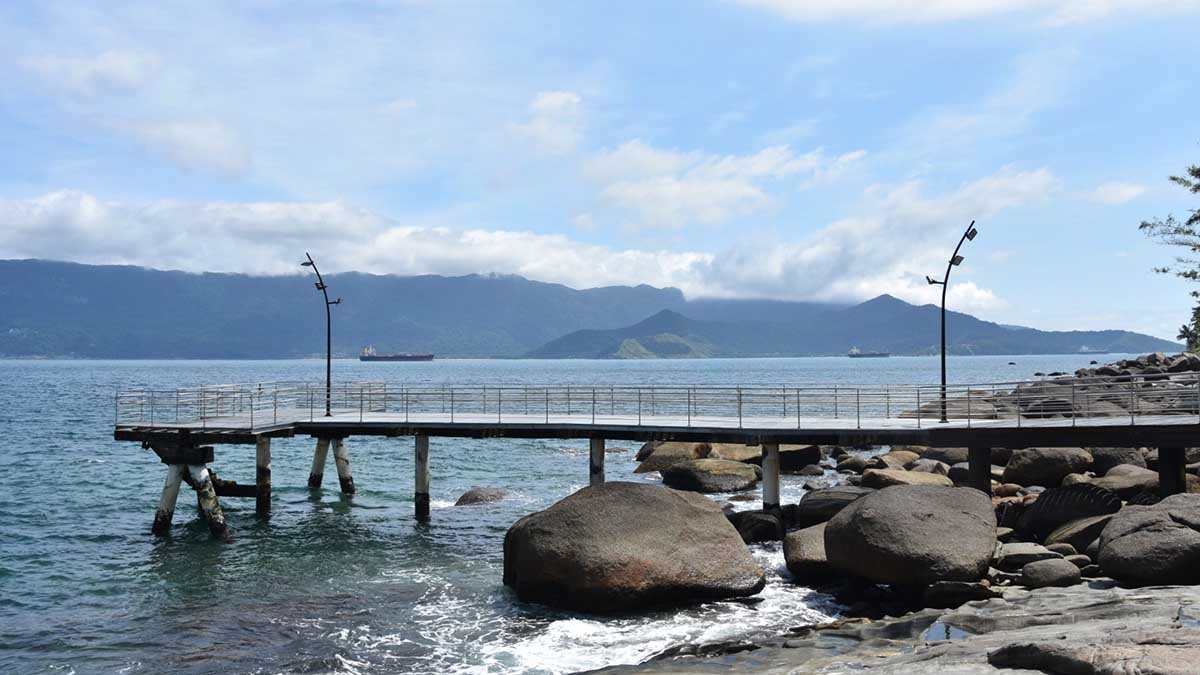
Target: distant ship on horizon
(369, 354)
(1088, 350)
(856, 353)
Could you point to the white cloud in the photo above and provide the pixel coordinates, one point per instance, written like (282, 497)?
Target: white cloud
(671, 189)
(1116, 193)
(1049, 12)
(206, 146)
(86, 75)
(900, 237)
(555, 121)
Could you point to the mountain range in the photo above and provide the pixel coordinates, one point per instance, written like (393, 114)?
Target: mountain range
(58, 309)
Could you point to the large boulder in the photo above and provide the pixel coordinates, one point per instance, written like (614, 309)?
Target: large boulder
(881, 478)
(1104, 459)
(793, 458)
(818, 506)
(736, 452)
(914, 534)
(804, 554)
(945, 455)
(1154, 545)
(666, 454)
(620, 546)
(1128, 480)
(1045, 466)
(710, 475)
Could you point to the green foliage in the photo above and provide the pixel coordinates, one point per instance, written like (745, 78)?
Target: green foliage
(1184, 235)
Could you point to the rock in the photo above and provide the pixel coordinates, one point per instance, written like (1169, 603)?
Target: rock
(1128, 480)
(945, 455)
(811, 470)
(1062, 548)
(480, 495)
(735, 452)
(881, 478)
(757, 526)
(1007, 490)
(951, 594)
(1092, 571)
(1104, 459)
(1079, 533)
(665, 454)
(792, 458)
(899, 459)
(1079, 560)
(619, 546)
(852, 463)
(959, 473)
(1158, 544)
(1045, 466)
(804, 554)
(710, 475)
(1004, 533)
(898, 535)
(1061, 505)
(1015, 556)
(930, 466)
(819, 506)
(646, 450)
(1053, 572)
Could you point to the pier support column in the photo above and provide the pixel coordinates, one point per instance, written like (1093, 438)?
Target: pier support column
(206, 494)
(341, 458)
(979, 469)
(262, 476)
(1172, 471)
(770, 479)
(421, 478)
(320, 455)
(596, 461)
(166, 503)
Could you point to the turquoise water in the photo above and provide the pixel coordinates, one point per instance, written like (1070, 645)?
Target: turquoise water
(333, 584)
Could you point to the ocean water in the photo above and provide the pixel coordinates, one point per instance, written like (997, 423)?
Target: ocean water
(333, 584)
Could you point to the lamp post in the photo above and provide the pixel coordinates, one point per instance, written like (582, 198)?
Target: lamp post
(955, 260)
(328, 334)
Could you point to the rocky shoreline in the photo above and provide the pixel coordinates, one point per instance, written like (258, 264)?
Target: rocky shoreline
(1047, 574)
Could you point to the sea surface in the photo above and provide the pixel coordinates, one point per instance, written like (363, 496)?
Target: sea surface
(332, 584)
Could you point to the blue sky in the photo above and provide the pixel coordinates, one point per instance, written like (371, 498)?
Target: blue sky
(815, 150)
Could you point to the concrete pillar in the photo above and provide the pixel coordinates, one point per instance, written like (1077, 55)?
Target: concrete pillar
(596, 461)
(421, 478)
(166, 503)
(979, 469)
(320, 455)
(262, 476)
(770, 479)
(1172, 471)
(341, 459)
(207, 496)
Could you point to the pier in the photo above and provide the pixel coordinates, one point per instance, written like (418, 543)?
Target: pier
(184, 426)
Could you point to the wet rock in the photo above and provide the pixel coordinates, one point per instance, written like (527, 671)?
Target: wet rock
(1045, 466)
(601, 550)
(1052, 572)
(665, 454)
(811, 470)
(951, 594)
(898, 535)
(710, 475)
(1158, 544)
(480, 495)
(881, 478)
(757, 526)
(819, 506)
(1152, 657)
(1104, 459)
(1015, 556)
(852, 464)
(804, 554)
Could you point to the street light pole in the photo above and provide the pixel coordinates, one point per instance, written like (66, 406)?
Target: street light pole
(955, 260)
(328, 334)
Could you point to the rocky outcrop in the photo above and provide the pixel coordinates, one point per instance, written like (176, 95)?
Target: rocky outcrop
(619, 546)
(1158, 544)
(1045, 466)
(900, 535)
(804, 554)
(710, 475)
(881, 478)
(480, 495)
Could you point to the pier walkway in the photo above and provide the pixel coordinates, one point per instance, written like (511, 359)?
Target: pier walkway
(183, 425)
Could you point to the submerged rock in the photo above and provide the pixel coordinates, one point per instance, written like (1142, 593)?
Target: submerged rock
(710, 475)
(914, 534)
(480, 495)
(619, 546)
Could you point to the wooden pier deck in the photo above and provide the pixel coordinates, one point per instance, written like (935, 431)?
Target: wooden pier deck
(182, 425)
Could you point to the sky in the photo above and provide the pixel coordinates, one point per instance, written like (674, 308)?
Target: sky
(828, 150)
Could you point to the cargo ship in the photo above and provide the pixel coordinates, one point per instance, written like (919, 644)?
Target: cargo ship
(856, 353)
(369, 354)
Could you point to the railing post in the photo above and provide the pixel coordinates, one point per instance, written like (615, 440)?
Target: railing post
(835, 402)
(798, 423)
(918, 407)
(1074, 410)
(547, 405)
(452, 406)
(689, 406)
(639, 395)
(739, 406)
(858, 407)
(968, 407)
(887, 402)
(499, 404)
(360, 405)
(593, 405)
(151, 408)
(275, 407)
(405, 390)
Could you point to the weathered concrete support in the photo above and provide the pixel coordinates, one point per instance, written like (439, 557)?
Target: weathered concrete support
(341, 459)
(979, 469)
(210, 508)
(421, 478)
(770, 479)
(262, 476)
(320, 456)
(1172, 471)
(166, 503)
(596, 461)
